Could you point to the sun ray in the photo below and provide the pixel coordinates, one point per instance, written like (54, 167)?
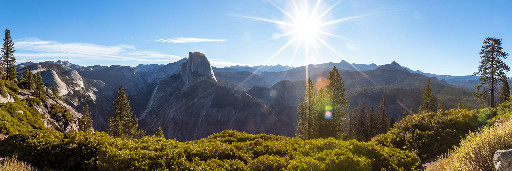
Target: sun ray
(282, 35)
(329, 9)
(343, 19)
(333, 35)
(267, 20)
(283, 11)
(316, 7)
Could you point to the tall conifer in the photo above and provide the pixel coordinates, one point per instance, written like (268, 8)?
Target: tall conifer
(491, 69)
(504, 91)
(429, 99)
(124, 123)
(8, 60)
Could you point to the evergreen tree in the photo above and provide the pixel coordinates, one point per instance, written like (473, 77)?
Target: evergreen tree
(491, 69)
(85, 123)
(55, 92)
(40, 92)
(340, 103)
(504, 92)
(306, 111)
(355, 122)
(160, 133)
(373, 121)
(124, 123)
(383, 115)
(364, 136)
(27, 80)
(8, 60)
(429, 100)
(324, 125)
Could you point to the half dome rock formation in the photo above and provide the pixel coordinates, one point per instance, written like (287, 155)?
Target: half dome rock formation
(197, 66)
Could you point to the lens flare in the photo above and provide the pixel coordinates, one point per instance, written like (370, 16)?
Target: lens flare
(328, 115)
(328, 112)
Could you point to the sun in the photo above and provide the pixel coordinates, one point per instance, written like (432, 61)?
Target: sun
(306, 24)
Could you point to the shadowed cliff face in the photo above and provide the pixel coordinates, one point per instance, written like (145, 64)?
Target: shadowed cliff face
(192, 105)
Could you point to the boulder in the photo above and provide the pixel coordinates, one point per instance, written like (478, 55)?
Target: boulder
(503, 160)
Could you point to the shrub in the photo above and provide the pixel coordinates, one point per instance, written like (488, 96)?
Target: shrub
(431, 134)
(17, 117)
(12, 164)
(476, 151)
(98, 151)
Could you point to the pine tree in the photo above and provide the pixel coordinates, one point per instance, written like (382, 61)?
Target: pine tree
(355, 122)
(429, 100)
(364, 136)
(40, 91)
(27, 80)
(8, 60)
(85, 123)
(383, 115)
(373, 121)
(324, 127)
(124, 123)
(306, 111)
(55, 92)
(160, 133)
(491, 69)
(504, 92)
(340, 103)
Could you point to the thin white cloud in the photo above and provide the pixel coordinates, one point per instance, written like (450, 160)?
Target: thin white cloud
(190, 40)
(222, 63)
(40, 50)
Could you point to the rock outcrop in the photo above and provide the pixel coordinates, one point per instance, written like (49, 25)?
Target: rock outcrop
(503, 160)
(197, 67)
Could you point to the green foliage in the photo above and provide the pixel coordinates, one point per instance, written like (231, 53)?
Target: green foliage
(431, 134)
(8, 59)
(61, 113)
(429, 99)
(27, 81)
(12, 87)
(19, 116)
(324, 113)
(227, 150)
(40, 92)
(491, 69)
(3, 88)
(124, 123)
(383, 123)
(160, 133)
(504, 92)
(85, 123)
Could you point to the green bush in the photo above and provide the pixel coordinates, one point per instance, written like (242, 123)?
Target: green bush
(432, 134)
(16, 117)
(60, 113)
(98, 151)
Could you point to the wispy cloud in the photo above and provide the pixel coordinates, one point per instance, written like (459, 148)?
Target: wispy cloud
(189, 40)
(40, 50)
(222, 63)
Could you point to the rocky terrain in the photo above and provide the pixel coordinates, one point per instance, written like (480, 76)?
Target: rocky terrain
(189, 99)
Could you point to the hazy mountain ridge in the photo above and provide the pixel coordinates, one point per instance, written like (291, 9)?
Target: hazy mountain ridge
(189, 99)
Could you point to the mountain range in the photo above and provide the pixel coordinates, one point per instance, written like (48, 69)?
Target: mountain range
(189, 99)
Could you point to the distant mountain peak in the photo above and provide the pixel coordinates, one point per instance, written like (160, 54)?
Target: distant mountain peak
(197, 65)
(393, 66)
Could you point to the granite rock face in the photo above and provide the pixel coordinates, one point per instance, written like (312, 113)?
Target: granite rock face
(503, 160)
(197, 66)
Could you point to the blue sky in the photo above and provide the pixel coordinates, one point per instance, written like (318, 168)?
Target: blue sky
(441, 37)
